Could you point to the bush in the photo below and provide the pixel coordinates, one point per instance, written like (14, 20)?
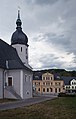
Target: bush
(67, 95)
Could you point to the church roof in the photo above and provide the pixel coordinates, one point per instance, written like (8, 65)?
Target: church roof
(9, 58)
(19, 37)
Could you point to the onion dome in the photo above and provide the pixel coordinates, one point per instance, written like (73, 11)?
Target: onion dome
(19, 37)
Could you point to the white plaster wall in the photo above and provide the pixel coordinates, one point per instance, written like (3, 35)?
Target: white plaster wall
(15, 74)
(22, 54)
(27, 84)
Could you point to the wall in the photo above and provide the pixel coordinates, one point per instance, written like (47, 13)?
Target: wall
(16, 81)
(48, 86)
(27, 84)
(1, 83)
(22, 54)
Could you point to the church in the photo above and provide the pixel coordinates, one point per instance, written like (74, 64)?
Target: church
(15, 72)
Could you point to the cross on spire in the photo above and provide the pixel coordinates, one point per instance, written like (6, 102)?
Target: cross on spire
(18, 22)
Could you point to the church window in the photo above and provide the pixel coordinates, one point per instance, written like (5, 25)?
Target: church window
(26, 57)
(21, 49)
(10, 81)
(26, 51)
(30, 78)
(25, 78)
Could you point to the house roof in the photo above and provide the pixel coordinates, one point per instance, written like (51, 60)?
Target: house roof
(9, 58)
(67, 80)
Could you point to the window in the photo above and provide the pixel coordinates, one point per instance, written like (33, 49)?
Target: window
(72, 87)
(47, 83)
(47, 89)
(38, 89)
(26, 57)
(51, 89)
(43, 78)
(43, 89)
(27, 92)
(37, 83)
(30, 78)
(26, 51)
(43, 83)
(25, 78)
(56, 84)
(59, 90)
(51, 83)
(21, 49)
(55, 90)
(10, 81)
(59, 83)
(51, 78)
(47, 78)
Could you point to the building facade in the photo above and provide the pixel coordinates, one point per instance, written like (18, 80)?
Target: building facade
(48, 84)
(70, 84)
(15, 72)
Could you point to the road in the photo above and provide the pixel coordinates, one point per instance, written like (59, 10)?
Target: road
(22, 103)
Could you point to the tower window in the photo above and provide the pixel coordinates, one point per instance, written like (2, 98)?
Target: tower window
(26, 57)
(21, 49)
(26, 51)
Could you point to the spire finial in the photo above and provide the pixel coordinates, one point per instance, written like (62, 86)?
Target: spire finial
(18, 12)
(18, 22)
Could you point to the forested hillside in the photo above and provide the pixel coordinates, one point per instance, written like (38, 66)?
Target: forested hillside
(61, 72)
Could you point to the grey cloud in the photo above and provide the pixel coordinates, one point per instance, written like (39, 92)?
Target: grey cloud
(45, 2)
(42, 2)
(50, 61)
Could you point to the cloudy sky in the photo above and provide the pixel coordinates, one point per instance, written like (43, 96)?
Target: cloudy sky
(50, 26)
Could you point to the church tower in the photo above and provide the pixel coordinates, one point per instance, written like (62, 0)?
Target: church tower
(19, 40)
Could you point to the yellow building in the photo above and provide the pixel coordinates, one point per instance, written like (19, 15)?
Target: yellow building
(48, 85)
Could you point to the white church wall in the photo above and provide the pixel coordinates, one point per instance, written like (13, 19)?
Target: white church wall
(15, 74)
(27, 84)
(22, 51)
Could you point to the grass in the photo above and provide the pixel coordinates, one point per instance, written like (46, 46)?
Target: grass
(60, 108)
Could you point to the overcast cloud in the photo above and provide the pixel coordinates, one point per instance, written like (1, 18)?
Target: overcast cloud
(50, 26)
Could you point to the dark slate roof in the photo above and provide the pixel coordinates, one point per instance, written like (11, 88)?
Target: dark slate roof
(19, 37)
(9, 56)
(37, 76)
(67, 80)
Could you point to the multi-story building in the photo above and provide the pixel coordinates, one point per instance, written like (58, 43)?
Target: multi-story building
(47, 84)
(70, 84)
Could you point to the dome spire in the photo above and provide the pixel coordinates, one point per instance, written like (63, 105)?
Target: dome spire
(18, 14)
(18, 22)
